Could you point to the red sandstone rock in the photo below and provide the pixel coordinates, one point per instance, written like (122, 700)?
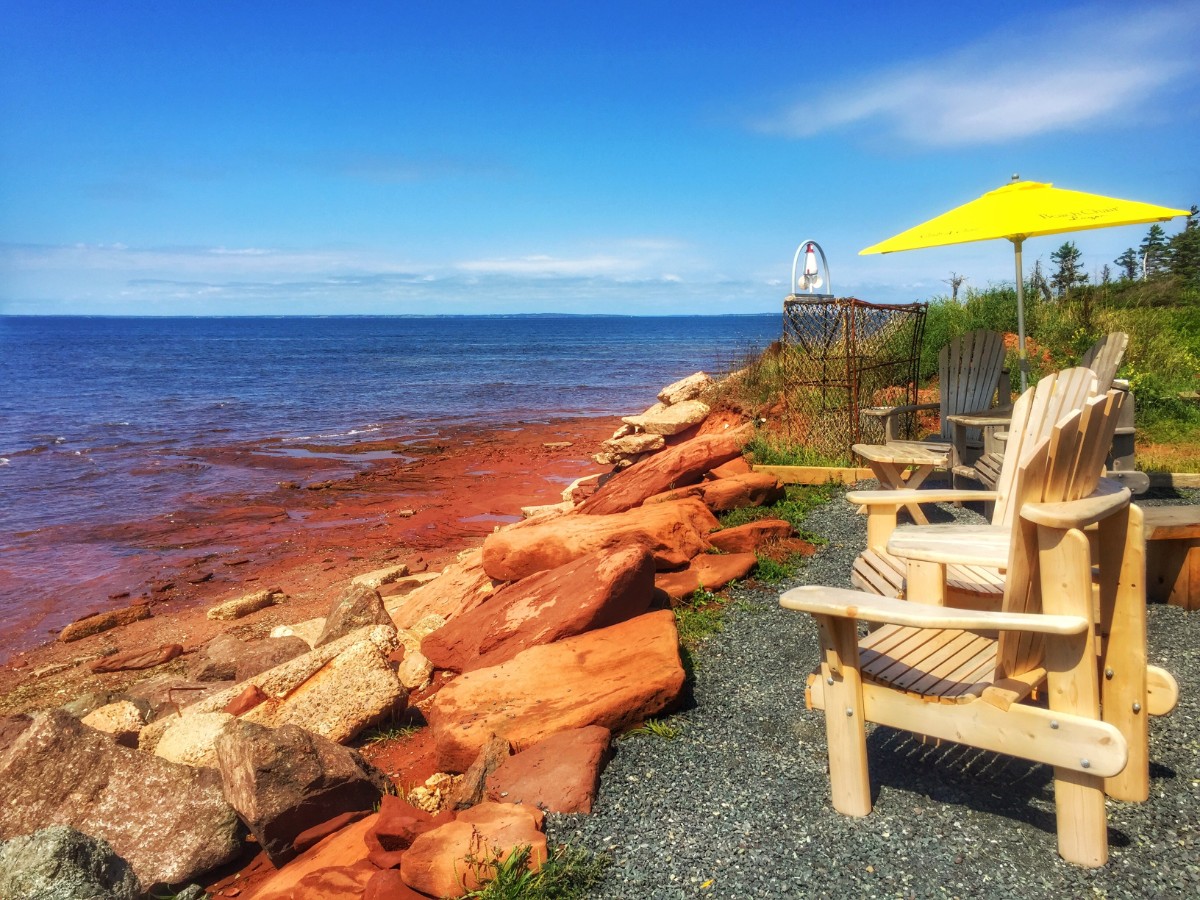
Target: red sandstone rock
(399, 823)
(732, 492)
(335, 883)
(137, 659)
(672, 532)
(749, 537)
(461, 587)
(711, 571)
(559, 774)
(594, 591)
(736, 466)
(436, 863)
(614, 677)
(340, 850)
(676, 466)
(245, 701)
(103, 622)
(389, 885)
(310, 837)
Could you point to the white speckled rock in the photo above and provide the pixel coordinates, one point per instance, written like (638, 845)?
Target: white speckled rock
(192, 740)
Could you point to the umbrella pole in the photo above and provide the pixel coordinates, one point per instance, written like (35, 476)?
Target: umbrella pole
(1023, 360)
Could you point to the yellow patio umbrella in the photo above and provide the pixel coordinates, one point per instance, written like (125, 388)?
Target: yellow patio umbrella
(1020, 210)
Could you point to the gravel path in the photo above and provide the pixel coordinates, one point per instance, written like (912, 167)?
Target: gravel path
(738, 805)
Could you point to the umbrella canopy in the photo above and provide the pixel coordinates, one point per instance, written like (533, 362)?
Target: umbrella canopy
(1021, 210)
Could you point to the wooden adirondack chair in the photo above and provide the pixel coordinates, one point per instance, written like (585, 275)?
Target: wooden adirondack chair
(969, 376)
(881, 571)
(1104, 358)
(965, 676)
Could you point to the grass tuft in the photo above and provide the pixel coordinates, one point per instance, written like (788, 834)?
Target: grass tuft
(566, 875)
(656, 728)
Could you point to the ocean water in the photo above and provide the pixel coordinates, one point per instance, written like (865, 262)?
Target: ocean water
(98, 415)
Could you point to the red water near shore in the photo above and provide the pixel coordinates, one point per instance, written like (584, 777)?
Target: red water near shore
(318, 516)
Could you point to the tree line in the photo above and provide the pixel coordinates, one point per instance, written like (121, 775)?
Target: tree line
(1155, 257)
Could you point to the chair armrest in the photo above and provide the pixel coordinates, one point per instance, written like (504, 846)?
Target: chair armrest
(1109, 497)
(884, 412)
(846, 604)
(905, 497)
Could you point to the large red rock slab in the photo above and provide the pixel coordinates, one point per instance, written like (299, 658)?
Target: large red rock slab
(461, 587)
(559, 774)
(169, 822)
(749, 537)
(672, 532)
(335, 883)
(341, 850)
(594, 591)
(731, 492)
(614, 677)
(437, 864)
(711, 571)
(677, 466)
(137, 659)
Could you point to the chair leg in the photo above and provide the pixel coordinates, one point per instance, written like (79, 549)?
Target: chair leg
(925, 582)
(845, 720)
(1123, 676)
(1064, 560)
(1082, 820)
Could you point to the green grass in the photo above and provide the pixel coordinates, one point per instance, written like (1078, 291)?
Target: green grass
(656, 728)
(381, 733)
(698, 617)
(767, 449)
(566, 875)
(798, 501)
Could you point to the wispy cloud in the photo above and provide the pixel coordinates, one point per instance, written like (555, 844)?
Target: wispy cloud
(636, 274)
(1089, 67)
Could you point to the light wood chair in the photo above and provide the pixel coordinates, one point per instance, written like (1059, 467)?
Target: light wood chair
(969, 377)
(880, 570)
(965, 675)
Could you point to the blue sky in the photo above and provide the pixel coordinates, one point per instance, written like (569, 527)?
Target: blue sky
(293, 158)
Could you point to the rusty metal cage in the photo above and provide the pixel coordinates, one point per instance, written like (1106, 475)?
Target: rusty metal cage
(844, 355)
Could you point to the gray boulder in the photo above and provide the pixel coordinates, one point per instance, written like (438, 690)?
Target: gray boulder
(61, 863)
(284, 781)
(360, 605)
(170, 822)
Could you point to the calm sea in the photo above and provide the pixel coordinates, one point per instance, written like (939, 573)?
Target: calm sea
(97, 415)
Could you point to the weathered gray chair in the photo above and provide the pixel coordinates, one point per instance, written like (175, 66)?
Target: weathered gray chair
(969, 376)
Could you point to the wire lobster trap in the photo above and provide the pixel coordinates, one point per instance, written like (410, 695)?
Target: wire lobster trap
(841, 355)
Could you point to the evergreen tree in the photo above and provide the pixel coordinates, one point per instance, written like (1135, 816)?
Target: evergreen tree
(1155, 251)
(1070, 262)
(1185, 250)
(1129, 263)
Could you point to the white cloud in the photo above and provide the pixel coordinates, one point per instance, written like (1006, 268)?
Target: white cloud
(1088, 67)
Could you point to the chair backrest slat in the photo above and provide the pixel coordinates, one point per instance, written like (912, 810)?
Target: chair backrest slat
(968, 371)
(1065, 465)
(1104, 357)
(1034, 416)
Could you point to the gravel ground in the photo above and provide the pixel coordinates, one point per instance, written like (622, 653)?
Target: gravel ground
(738, 805)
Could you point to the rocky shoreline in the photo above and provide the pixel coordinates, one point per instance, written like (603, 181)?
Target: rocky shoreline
(227, 744)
